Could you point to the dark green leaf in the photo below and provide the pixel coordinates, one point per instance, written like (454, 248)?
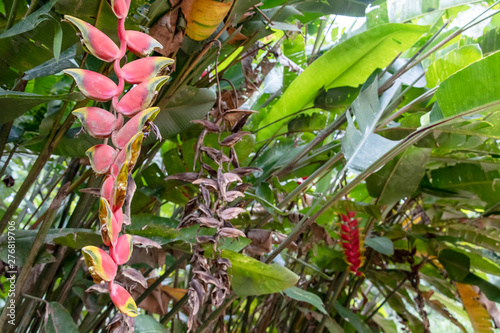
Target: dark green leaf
(400, 177)
(147, 324)
(305, 296)
(30, 22)
(59, 320)
(490, 290)
(381, 244)
(352, 319)
(457, 264)
(15, 103)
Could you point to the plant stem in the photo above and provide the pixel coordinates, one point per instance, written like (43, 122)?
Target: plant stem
(37, 244)
(174, 309)
(216, 313)
(12, 15)
(159, 280)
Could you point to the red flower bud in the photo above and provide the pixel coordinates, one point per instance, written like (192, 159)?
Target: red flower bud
(141, 44)
(120, 7)
(93, 85)
(140, 97)
(144, 69)
(98, 122)
(101, 157)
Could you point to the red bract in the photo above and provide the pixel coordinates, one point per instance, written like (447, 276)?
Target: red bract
(351, 242)
(98, 122)
(140, 97)
(93, 85)
(141, 44)
(122, 299)
(139, 123)
(95, 41)
(144, 69)
(123, 249)
(101, 157)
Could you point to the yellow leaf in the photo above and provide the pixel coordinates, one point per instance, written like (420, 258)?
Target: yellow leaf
(203, 16)
(479, 317)
(176, 293)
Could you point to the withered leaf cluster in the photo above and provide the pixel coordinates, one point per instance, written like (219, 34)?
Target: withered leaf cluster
(218, 202)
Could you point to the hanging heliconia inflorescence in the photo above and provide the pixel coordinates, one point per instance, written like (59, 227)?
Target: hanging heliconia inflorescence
(116, 163)
(351, 242)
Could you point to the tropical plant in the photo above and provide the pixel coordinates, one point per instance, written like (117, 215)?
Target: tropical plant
(313, 166)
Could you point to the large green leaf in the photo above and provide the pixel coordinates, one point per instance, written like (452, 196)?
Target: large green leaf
(16, 103)
(347, 64)
(159, 229)
(467, 177)
(302, 295)
(457, 264)
(475, 86)
(252, 277)
(147, 324)
(452, 62)
(58, 319)
(400, 177)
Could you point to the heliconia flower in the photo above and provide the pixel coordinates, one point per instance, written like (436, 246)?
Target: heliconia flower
(120, 188)
(93, 85)
(122, 300)
(144, 69)
(101, 266)
(351, 242)
(101, 157)
(120, 7)
(95, 41)
(110, 224)
(139, 123)
(131, 152)
(107, 188)
(123, 249)
(140, 97)
(98, 122)
(141, 44)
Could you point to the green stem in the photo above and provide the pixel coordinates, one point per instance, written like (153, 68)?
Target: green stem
(174, 309)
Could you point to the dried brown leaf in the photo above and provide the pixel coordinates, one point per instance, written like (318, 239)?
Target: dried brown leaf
(233, 139)
(208, 125)
(231, 213)
(231, 233)
(184, 176)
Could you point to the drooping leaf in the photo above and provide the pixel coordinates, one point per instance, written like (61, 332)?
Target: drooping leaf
(400, 177)
(478, 315)
(347, 64)
(381, 244)
(252, 277)
(16, 103)
(352, 318)
(59, 320)
(305, 296)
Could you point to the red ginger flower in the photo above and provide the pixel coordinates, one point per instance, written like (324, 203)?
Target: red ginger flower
(351, 243)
